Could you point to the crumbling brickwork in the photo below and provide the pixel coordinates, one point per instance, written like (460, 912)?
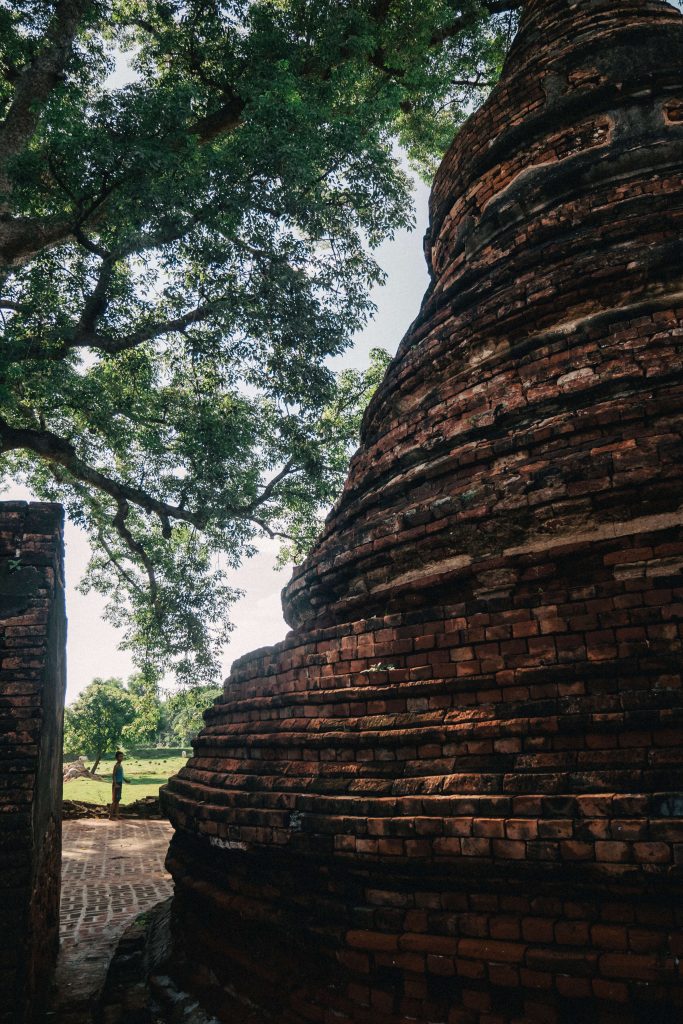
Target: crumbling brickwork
(32, 682)
(455, 792)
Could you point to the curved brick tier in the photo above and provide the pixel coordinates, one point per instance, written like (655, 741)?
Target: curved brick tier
(454, 793)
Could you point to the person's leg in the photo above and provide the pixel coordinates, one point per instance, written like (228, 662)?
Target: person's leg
(115, 800)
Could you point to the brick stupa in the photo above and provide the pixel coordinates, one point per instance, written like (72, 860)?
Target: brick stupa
(454, 793)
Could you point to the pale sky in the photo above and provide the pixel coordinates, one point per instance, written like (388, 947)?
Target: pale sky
(92, 644)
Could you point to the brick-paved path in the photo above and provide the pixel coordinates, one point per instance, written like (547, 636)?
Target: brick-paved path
(111, 872)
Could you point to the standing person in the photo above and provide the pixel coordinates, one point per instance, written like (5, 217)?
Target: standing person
(117, 781)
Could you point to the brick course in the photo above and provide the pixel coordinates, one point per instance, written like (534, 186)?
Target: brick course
(455, 791)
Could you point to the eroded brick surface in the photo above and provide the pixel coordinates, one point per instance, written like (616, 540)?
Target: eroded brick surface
(455, 792)
(112, 871)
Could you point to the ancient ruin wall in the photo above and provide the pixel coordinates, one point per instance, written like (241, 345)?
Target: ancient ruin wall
(454, 793)
(32, 683)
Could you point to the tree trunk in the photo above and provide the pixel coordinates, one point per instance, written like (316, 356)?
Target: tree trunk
(97, 761)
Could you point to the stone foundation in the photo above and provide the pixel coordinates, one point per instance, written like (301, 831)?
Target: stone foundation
(455, 792)
(32, 684)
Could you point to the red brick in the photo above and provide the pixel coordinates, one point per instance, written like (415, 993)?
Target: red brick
(509, 849)
(503, 975)
(574, 850)
(652, 853)
(611, 991)
(610, 937)
(475, 847)
(630, 966)
(458, 826)
(572, 933)
(371, 940)
(488, 827)
(535, 979)
(443, 966)
(492, 950)
(442, 945)
(505, 927)
(521, 828)
(573, 988)
(447, 847)
(538, 929)
(619, 853)
(641, 940)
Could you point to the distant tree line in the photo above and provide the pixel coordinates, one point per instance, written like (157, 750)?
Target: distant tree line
(110, 713)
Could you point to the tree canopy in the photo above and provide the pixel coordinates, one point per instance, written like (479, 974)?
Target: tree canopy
(95, 723)
(144, 728)
(182, 713)
(110, 713)
(180, 256)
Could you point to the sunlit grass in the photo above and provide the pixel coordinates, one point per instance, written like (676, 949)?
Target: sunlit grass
(143, 778)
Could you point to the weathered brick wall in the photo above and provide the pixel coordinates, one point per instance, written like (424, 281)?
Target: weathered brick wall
(455, 792)
(32, 682)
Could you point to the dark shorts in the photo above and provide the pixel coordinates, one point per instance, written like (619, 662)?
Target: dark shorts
(117, 793)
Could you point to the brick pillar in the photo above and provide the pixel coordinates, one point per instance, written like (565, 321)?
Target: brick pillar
(32, 684)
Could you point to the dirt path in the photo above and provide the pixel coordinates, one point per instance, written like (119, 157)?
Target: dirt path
(111, 872)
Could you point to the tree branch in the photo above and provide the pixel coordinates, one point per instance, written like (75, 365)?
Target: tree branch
(85, 335)
(123, 573)
(113, 346)
(96, 303)
(58, 452)
(269, 489)
(15, 307)
(119, 523)
(472, 83)
(102, 540)
(501, 6)
(23, 237)
(55, 449)
(273, 534)
(226, 119)
(37, 81)
(460, 23)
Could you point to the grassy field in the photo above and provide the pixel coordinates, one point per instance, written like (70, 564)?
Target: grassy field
(143, 777)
